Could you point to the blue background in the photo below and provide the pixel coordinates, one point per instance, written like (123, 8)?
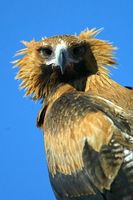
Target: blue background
(23, 170)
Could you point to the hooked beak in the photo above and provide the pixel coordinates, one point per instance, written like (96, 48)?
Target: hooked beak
(61, 60)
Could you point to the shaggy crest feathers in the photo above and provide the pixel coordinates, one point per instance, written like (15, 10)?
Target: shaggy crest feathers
(31, 72)
(102, 50)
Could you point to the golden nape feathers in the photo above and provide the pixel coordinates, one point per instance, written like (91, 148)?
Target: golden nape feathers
(103, 51)
(86, 117)
(34, 71)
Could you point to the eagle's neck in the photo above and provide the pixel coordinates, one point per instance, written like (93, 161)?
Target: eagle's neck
(58, 90)
(79, 84)
(104, 86)
(54, 93)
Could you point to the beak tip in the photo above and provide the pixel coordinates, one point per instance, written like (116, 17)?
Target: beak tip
(62, 71)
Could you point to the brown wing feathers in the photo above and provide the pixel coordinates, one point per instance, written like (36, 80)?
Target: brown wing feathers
(80, 143)
(84, 132)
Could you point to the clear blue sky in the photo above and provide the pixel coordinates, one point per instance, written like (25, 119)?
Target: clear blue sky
(23, 171)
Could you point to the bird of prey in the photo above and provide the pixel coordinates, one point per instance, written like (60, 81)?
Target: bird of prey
(86, 116)
(83, 61)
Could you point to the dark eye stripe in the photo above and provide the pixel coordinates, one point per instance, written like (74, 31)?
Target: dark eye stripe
(46, 51)
(78, 50)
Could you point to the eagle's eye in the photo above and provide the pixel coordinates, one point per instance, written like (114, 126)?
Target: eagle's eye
(45, 51)
(78, 50)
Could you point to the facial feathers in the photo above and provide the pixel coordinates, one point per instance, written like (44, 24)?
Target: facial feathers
(83, 55)
(86, 116)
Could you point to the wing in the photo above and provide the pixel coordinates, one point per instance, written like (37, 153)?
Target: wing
(81, 142)
(122, 187)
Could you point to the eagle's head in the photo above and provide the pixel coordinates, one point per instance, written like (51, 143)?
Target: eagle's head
(67, 58)
(69, 54)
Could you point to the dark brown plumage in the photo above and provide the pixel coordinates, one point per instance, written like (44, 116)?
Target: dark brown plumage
(88, 134)
(35, 67)
(85, 141)
(84, 60)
